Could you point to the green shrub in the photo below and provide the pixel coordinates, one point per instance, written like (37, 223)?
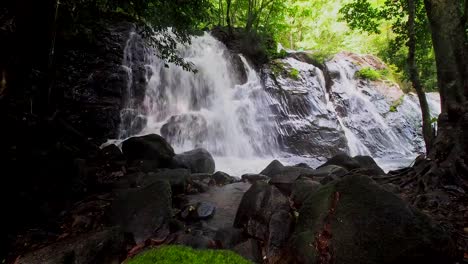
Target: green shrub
(294, 74)
(369, 74)
(186, 255)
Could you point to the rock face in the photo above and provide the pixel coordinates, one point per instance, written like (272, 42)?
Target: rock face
(150, 147)
(94, 81)
(325, 109)
(108, 246)
(307, 124)
(355, 221)
(197, 161)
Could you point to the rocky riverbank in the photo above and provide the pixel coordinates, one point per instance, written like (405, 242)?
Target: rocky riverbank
(340, 212)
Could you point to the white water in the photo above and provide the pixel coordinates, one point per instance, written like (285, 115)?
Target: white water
(235, 122)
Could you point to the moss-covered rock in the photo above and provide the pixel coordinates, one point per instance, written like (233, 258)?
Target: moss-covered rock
(186, 255)
(355, 221)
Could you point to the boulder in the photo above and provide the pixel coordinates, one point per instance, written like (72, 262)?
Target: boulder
(264, 213)
(221, 178)
(198, 211)
(150, 147)
(355, 221)
(302, 188)
(286, 177)
(107, 246)
(252, 177)
(142, 211)
(250, 250)
(369, 164)
(342, 160)
(273, 168)
(228, 237)
(197, 161)
(177, 178)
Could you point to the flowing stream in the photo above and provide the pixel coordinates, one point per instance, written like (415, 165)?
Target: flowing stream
(246, 119)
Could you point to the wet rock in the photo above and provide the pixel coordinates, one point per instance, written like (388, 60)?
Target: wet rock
(286, 177)
(228, 237)
(141, 211)
(198, 211)
(221, 178)
(200, 186)
(264, 213)
(273, 168)
(303, 165)
(329, 173)
(369, 164)
(177, 178)
(107, 246)
(197, 161)
(355, 221)
(205, 210)
(250, 250)
(302, 188)
(342, 160)
(111, 153)
(251, 177)
(205, 177)
(185, 127)
(150, 147)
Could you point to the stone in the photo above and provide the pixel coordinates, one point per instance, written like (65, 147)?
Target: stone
(150, 147)
(353, 220)
(222, 178)
(264, 214)
(285, 178)
(273, 168)
(251, 177)
(197, 161)
(141, 211)
(368, 163)
(342, 160)
(250, 250)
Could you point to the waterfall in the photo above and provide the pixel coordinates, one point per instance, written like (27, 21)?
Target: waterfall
(246, 119)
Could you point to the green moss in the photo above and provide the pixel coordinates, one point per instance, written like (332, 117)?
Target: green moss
(294, 74)
(186, 255)
(369, 74)
(277, 67)
(396, 104)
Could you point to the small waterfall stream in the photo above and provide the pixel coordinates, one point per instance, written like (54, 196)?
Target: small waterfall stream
(247, 122)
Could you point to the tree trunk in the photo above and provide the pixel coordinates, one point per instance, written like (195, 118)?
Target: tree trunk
(450, 46)
(228, 15)
(414, 77)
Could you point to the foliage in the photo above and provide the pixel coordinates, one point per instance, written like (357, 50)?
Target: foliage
(164, 23)
(294, 74)
(186, 255)
(364, 16)
(396, 104)
(369, 74)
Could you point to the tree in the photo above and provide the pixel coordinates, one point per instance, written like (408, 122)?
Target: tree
(414, 77)
(361, 15)
(449, 34)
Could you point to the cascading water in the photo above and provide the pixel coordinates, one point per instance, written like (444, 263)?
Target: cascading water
(212, 108)
(247, 122)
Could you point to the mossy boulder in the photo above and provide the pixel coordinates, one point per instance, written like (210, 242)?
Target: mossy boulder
(355, 221)
(186, 255)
